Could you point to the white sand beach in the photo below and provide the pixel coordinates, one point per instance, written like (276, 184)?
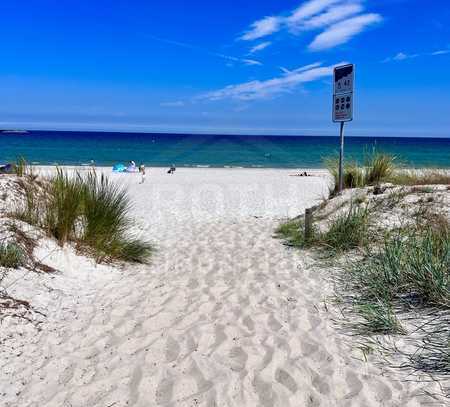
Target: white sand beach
(224, 315)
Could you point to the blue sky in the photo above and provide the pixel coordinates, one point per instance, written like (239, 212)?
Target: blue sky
(254, 66)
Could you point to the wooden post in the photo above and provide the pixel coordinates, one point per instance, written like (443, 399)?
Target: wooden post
(308, 224)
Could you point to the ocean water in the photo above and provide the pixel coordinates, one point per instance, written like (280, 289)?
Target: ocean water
(75, 148)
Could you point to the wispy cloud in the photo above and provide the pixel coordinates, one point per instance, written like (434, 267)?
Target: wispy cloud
(402, 56)
(309, 9)
(441, 52)
(301, 69)
(241, 60)
(341, 20)
(343, 31)
(255, 90)
(331, 16)
(263, 28)
(205, 51)
(260, 47)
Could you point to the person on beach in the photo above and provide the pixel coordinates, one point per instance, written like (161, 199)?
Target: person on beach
(172, 169)
(142, 171)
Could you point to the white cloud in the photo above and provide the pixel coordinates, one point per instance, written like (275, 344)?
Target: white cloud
(313, 15)
(301, 69)
(234, 59)
(251, 62)
(260, 47)
(262, 28)
(402, 56)
(309, 9)
(255, 90)
(332, 16)
(441, 52)
(205, 51)
(343, 31)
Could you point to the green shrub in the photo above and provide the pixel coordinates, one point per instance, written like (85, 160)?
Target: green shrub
(11, 255)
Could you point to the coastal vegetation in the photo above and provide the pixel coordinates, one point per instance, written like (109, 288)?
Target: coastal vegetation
(347, 231)
(424, 177)
(11, 255)
(377, 167)
(87, 210)
(380, 168)
(394, 278)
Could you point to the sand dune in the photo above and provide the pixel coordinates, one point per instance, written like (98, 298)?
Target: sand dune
(224, 316)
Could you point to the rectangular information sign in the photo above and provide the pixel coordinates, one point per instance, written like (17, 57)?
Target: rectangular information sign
(343, 83)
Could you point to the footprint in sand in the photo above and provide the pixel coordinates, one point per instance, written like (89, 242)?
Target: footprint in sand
(238, 358)
(248, 322)
(164, 391)
(286, 380)
(172, 349)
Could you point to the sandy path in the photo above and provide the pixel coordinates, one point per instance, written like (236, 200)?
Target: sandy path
(224, 316)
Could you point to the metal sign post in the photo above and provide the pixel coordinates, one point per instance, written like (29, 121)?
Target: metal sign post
(343, 86)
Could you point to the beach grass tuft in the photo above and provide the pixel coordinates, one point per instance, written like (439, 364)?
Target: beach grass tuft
(63, 206)
(11, 255)
(377, 168)
(107, 222)
(410, 271)
(87, 210)
(292, 232)
(413, 178)
(20, 167)
(378, 318)
(353, 176)
(348, 230)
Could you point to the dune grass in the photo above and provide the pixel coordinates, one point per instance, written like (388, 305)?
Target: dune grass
(63, 206)
(378, 167)
(292, 232)
(107, 223)
(353, 176)
(345, 231)
(411, 178)
(11, 255)
(411, 270)
(87, 210)
(20, 167)
(348, 230)
(399, 283)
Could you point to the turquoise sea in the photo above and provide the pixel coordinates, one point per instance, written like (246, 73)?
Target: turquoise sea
(75, 148)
